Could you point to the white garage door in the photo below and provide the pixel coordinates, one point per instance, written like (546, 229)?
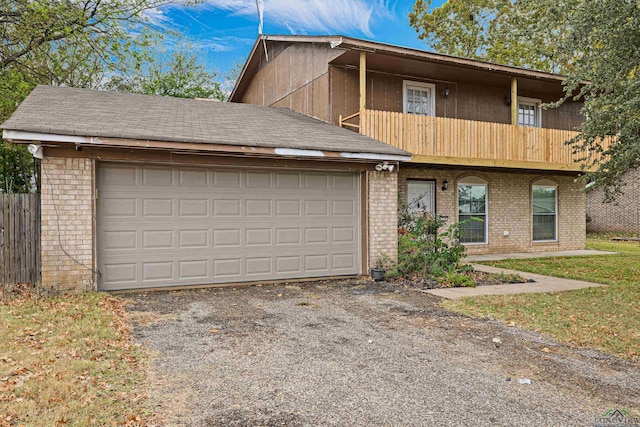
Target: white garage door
(170, 226)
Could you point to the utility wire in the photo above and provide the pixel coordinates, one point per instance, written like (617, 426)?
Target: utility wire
(55, 208)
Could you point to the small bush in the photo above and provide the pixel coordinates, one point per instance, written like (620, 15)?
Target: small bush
(422, 249)
(455, 280)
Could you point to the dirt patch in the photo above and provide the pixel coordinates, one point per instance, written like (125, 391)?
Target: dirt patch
(363, 353)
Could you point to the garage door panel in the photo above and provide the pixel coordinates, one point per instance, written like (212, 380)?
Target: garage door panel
(258, 237)
(316, 181)
(154, 271)
(344, 261)
(343, 235)
(169, 226)
(193, 269)
(227, 179)
(288, 208)
(157, 176)
(258, 207)
(193, 178)
(226, 208)
(343, 208)
(157, 239)
(343, 182)
(119, 207)
(157, 207)
(258, 266)
(193, 238)
(288, 180)
(193, 208)
(115, 175)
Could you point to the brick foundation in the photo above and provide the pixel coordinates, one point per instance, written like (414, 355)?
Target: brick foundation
(383, 215)
(509, 208)
(67, 224)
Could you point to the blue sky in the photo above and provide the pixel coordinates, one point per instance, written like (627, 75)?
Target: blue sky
(223, 31)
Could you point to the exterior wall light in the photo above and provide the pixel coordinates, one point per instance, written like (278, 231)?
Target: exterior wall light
(445, 185)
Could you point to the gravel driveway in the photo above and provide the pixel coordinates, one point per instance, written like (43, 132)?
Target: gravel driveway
(361, 354)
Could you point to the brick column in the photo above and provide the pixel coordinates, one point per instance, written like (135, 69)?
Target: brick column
(383, 215)
(67, 224)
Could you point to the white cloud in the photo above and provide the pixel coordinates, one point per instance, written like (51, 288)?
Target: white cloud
(325, 16)
(223, 44)
(156, 16)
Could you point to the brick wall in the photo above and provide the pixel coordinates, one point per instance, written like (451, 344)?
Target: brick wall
(509, 208)
(67, 224)
(383, 215)
(623, 215)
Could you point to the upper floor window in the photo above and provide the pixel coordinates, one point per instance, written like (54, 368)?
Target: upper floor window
(419, 98)
(529, 112)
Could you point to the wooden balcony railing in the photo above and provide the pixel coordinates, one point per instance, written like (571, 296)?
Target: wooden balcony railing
(438, 140)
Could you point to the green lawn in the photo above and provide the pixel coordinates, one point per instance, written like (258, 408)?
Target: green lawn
(68, 361)
(606, 318)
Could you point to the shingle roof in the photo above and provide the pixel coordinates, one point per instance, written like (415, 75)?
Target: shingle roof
(80, 112)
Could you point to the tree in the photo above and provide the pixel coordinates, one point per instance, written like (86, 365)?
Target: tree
(595, 43)
(29, 28)
(63, 42)
(604, 43)
(524, 33)
(182, 76)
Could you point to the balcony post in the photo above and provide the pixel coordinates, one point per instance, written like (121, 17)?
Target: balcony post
(363, 80)
(514, 101)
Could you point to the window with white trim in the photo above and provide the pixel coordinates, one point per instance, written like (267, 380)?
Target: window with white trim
(472, 207)
(529, 112)
(545, 213)
(419, 98)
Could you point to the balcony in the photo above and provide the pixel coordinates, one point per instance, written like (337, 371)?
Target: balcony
(445, 141)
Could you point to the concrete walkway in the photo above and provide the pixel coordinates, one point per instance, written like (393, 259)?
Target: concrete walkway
(528, 255)
(542, 284)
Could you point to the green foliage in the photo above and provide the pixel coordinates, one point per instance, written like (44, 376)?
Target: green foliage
(182, 76)
(524, 33)
(87, 44)
(64, 43)
(456, 280)
(384, 262)
(604, 318)
(422, 249)
(595, 43)
(604, 42)
(17, 166)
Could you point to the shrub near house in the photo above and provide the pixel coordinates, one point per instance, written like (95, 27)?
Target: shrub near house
(426, 252)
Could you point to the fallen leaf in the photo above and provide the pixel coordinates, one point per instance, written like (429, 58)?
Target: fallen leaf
(546, 350)
(214, 331)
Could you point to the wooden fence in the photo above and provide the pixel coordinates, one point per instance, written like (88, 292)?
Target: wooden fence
(20, 238)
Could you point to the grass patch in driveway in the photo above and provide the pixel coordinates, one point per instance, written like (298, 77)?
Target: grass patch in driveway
(606, 318)
(68, 361)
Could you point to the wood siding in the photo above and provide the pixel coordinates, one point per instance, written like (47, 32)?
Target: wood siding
(295, 77)
(20, 238)
(465, 101)
(441, 140)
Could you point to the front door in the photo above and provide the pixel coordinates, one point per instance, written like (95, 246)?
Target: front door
(421, 195)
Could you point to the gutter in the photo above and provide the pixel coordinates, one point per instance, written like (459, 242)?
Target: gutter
(31, 137)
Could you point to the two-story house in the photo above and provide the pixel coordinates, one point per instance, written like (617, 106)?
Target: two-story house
(483, 145)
